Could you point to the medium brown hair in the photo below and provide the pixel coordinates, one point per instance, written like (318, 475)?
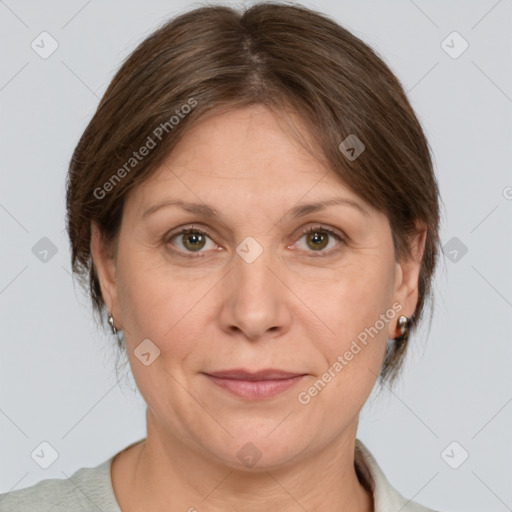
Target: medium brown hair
(285, 57)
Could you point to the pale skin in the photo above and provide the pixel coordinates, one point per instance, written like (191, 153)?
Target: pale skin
(208, 309)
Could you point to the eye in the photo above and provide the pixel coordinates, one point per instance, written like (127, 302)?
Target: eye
(191, 239)
(317, 238)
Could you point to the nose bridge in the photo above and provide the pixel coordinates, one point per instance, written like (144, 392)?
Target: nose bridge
(252, 268)
(254, 300)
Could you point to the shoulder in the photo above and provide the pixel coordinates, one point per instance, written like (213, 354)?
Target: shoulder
(386, 497)
(87, 489)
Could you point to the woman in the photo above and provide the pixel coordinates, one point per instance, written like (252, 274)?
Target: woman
(254, 209)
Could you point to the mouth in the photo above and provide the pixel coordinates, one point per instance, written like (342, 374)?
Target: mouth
(255, 385)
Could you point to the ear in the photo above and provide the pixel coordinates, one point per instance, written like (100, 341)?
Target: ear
(105, 265)
(407, 277)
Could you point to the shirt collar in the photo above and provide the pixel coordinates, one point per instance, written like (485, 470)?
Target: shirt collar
(385, 497)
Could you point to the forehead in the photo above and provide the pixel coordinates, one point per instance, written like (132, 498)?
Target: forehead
(251, 151)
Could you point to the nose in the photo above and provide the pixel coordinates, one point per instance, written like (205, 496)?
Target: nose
(255, 301)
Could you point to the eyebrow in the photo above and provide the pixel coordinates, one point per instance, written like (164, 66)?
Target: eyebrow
(300, 210)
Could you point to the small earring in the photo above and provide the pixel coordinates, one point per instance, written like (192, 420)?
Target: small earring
(403, 324)
(111, 322)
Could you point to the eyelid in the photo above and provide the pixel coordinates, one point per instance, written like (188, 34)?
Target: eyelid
(327, 229)
(188, 227)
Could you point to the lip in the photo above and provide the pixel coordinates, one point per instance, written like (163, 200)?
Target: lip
(265, 374)
(255, 385)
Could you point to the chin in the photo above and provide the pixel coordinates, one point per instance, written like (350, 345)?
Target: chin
(258, 446)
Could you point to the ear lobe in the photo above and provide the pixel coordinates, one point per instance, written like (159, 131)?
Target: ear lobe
(104, 264)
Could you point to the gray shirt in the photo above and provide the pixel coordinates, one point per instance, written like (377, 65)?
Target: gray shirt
(90, 490)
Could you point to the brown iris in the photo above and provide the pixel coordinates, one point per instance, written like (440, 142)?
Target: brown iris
(319, 239)
(193, 240)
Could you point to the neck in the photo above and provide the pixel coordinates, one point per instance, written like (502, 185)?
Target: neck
(162, 472)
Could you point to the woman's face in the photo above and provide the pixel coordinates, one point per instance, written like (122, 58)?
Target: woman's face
(247, 290)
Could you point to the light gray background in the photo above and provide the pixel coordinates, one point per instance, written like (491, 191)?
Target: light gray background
(57, 375)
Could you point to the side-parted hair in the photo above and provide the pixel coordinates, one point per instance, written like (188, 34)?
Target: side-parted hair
(288, 58)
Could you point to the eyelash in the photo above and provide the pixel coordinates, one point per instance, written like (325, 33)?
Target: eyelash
(305, 231)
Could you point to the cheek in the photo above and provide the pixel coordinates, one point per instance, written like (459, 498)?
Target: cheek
(354, 296)
(158, 306)
(352, 305)
(145, 296)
